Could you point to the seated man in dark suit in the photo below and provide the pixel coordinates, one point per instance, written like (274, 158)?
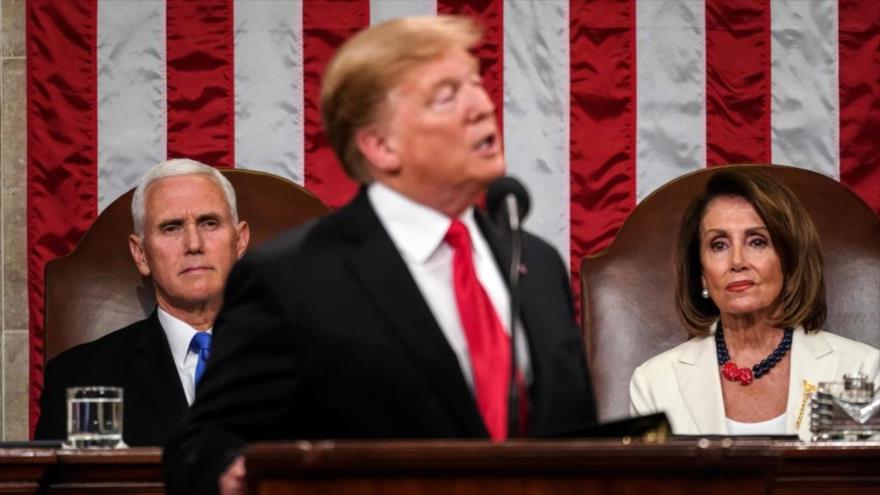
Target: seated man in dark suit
(187, 237)
(390, 317)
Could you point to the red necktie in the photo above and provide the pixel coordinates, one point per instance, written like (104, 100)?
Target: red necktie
(488, 344)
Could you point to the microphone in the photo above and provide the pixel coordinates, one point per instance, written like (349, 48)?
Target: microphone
(508, 204)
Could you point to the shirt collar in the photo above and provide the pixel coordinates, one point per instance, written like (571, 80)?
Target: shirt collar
(417, 230)
(178, 333)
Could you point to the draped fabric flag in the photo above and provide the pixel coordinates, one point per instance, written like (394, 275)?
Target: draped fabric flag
(601, 101)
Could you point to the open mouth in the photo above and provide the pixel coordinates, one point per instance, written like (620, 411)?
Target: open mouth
(487, 143)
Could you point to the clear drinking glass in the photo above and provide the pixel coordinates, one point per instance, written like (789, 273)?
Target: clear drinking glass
(94, 417)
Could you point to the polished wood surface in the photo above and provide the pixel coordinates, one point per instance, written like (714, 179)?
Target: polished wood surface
(21, 470)
(679, 466)
(129, 471)
(577, 467)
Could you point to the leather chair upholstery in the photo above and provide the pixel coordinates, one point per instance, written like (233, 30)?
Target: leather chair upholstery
(628, 308)
(97, 289)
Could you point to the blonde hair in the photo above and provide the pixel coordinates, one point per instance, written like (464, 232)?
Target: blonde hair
(368, 66)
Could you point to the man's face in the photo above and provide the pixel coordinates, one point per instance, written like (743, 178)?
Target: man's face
(190, 242)
(442, 130)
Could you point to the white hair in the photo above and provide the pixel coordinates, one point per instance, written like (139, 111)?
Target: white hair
(176, 167)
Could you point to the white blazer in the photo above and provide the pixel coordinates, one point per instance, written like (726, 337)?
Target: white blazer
(685, 382)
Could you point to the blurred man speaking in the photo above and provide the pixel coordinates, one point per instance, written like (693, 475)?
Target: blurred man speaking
(186, 238)
(390, 318)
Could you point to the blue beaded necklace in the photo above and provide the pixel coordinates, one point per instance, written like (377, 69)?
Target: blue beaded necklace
(745, 375)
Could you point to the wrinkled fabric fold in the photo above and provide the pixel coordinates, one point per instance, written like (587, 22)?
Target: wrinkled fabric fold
(199, 53)
(326, 25)
(131, 93)
(737, 81)
(269, 87)
(61, 149)
(859, 34)
(603, 120)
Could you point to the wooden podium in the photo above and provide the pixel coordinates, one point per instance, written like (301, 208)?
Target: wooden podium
(80, 472)
(679, 466)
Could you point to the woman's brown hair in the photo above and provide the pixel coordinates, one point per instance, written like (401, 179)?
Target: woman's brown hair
(795, 239)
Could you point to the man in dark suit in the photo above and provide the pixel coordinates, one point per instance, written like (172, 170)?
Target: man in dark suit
(187, 237)
(390, 318)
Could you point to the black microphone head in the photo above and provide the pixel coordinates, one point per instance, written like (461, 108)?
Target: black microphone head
(499, 189)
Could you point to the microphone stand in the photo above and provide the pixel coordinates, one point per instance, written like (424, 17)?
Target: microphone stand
(514, 399)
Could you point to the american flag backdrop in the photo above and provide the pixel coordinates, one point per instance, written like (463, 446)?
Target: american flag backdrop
(601, 101)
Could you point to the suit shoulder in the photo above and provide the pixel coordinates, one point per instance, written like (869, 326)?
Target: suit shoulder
(856, 352)
(108, 345)
(662, 363)
(535, 242)
(842, 343)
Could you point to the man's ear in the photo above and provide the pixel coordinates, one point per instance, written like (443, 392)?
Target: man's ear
(378, 149)
(136, 246)
(243, 237)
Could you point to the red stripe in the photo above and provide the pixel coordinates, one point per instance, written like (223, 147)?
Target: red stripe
(326, 25)
(201, 108)
(737, 81)
(603, 123)
(490, 14)
(859, 49)
(61, 148)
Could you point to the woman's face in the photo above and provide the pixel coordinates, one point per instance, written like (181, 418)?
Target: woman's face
(741, 269)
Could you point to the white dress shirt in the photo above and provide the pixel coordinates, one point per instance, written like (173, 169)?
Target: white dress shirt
(418, 231)
(179, 334)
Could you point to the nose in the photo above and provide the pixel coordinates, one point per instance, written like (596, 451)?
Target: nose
(737, 260)
(481, 104)
(192, 239)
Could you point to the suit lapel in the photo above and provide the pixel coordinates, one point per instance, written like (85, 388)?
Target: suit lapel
(378, 265)
(812, 361)
(154, 368)
(696, 374)
(498, 244)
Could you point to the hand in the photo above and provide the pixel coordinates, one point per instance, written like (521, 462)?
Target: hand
(232, 480)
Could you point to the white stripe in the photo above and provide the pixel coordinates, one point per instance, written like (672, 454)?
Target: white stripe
(671, 75)
(805, 106)
(269, 87)
(536, 112)
(383, 10)
(132, 116)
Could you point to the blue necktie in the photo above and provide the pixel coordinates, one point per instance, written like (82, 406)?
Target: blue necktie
(201, 345)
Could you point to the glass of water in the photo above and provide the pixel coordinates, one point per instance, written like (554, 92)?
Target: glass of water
(94, 417)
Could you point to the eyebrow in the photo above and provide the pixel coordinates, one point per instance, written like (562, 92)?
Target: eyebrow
(452, 81)
(209, 216)
(749, 231)
(446, 81)
(199, 219)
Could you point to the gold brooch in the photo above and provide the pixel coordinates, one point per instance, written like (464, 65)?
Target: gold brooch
(809, 389)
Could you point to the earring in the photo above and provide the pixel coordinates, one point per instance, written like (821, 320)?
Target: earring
(705, 293)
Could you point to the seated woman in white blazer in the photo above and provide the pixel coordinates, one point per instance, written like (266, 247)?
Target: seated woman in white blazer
(751, 292)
